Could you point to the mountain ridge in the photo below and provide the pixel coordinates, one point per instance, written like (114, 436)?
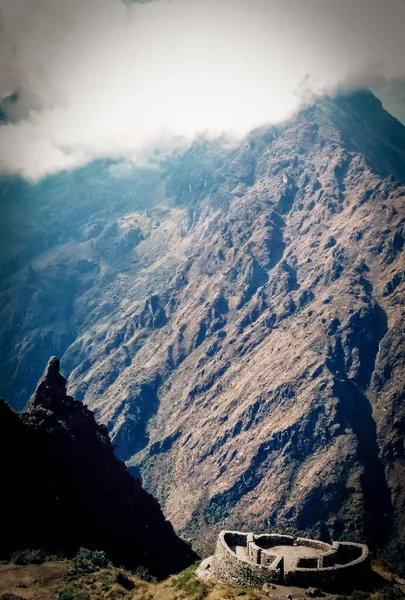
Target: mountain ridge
(238, 324)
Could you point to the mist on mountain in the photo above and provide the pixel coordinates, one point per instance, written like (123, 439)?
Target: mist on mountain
(104, 78)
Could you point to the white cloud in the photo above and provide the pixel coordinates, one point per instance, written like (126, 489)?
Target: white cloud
(104, 77)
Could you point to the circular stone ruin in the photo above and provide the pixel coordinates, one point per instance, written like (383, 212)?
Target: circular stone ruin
(244, 559)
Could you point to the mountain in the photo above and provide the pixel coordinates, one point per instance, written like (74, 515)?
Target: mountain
(234, 314)
(64, 488)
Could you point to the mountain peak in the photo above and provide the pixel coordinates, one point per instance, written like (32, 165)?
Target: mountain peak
(51, 389)
(363, 96)
(52, 369)
(367, 128)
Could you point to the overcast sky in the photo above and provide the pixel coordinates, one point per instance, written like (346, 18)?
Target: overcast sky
(104, 77)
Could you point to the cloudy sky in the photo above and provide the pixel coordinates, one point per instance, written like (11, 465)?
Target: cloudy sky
(107, 77)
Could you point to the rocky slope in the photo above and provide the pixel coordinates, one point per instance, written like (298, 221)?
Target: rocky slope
(64, 488)
(235, 316)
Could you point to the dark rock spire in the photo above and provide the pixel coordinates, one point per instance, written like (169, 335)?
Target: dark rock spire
(51, 389)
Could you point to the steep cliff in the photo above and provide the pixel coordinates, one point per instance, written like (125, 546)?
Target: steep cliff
(64, 488)
(237, 322)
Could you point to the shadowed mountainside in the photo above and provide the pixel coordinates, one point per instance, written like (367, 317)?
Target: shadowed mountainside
(63, 487)
(235, 316)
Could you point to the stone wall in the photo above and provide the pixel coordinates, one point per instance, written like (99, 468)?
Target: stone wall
(231, 569)
(334, 575)
(259, 555)
(308, 562)
(254, 552)
(267, 558)
(342, 563)
(329, 558)
(313, 544)
(274, 539)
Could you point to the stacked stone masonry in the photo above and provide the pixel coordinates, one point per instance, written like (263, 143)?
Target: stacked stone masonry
(245, 559)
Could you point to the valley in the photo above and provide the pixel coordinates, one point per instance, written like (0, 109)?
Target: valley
(234, 314)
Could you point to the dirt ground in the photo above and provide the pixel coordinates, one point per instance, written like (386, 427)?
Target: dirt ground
(33, 582)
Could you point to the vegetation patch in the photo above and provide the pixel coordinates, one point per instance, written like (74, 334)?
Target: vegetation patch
(388, 592)
(143, 573)
(70, 594)
(394, 557)
(391, 592)
(27, 557)
(189, 583)
(88, 561)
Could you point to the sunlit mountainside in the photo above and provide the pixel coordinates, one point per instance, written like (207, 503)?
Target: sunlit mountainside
(234, 313)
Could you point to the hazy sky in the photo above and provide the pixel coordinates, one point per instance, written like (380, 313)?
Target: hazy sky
(104, 77)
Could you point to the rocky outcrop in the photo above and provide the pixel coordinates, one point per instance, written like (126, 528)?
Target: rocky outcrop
(64, 488)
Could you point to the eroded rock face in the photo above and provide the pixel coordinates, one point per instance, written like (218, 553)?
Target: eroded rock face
(247, 352)
(64, 487)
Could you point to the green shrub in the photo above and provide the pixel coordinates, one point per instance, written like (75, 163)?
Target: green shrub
(391, 592)
(69, 594)
(66, 594)
(26, 557)
(359, 595)
(143, 573)
(88, 561)
(355, 595)
(394, 554)
(19, 557)
(97, 557)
